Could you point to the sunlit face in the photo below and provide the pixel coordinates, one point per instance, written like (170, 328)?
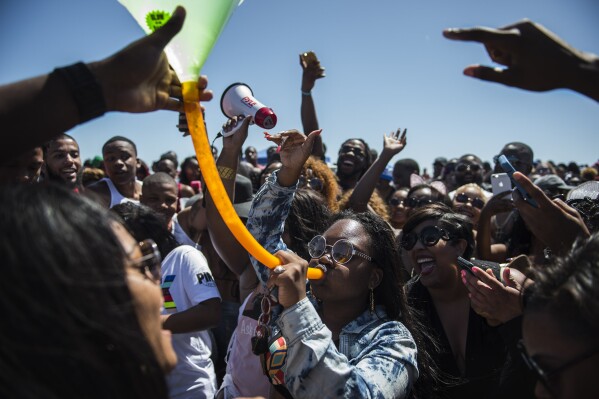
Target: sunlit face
(471, 208)
(161, 198)
(397, 205)
(437, 264)
(352, 280)
(63, 161)
(120, 162)
(352, 158)
(25, 168)
(251, 155)
(148, 301)
(192, 170)
(551, 349)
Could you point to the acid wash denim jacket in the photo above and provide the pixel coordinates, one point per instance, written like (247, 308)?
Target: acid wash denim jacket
(376, 357)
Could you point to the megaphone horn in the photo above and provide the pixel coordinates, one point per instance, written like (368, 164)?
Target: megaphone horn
(238, 99)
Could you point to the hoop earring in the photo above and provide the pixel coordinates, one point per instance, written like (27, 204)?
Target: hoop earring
(371, 301)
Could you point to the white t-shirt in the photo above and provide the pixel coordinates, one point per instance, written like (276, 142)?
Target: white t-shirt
(187, 281)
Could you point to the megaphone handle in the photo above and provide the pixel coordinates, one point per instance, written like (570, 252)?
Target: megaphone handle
(215, 186)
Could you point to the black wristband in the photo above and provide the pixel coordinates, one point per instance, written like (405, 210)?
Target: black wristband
(85, 90)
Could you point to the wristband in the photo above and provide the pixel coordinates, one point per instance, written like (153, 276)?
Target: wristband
(226, 173)
(85, 90)
(306, 93)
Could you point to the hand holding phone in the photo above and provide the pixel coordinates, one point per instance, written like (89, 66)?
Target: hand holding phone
(465, 265)
(501, 183)
(509, 169)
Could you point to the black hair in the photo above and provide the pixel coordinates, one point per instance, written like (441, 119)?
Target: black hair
(144, 223)
(160, 178)
(119, 138)
(367, 154)
(61, 136)
(436, 195)
(172, 155)
(182, 176)
(457, 225)
(69, 328)
(391, 294)
(568, 289)
(307, 218)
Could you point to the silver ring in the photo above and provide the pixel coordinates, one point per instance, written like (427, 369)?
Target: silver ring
(279, 269)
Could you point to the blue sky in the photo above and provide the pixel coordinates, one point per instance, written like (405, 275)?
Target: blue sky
(386, 61)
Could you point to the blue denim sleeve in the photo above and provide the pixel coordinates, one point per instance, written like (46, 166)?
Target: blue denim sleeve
(266, 220)
(384, 365)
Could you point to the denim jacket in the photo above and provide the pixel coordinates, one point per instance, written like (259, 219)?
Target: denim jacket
(376, 356)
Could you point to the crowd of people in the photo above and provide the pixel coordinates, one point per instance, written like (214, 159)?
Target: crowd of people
(122, 279)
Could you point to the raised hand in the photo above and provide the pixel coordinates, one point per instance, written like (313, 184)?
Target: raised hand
(312, 70)
(535, 58)
(555, 223)
(139, 79)
(235, 132)
(395, 142)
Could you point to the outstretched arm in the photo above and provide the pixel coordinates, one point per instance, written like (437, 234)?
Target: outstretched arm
(534, 58)
(135, 79)
(311, 71)
(393, 144)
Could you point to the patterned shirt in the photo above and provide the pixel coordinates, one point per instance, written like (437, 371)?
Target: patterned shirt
(376, 357)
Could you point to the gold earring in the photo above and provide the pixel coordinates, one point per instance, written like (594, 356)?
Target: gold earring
(371, 300)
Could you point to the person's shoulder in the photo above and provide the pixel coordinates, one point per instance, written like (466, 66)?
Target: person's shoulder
(99, 187)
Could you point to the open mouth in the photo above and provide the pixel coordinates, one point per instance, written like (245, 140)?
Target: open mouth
(69, 173)
(426, 265)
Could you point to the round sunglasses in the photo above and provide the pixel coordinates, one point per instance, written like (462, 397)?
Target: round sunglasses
(464, 199)
(150, 261)
(341, 252)
(414, 202)
(429, 236)
(397, 202)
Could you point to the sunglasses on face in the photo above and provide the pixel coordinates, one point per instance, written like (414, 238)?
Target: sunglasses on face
(341, 252)
(357, 152)
(314, 183)
(511, 158)
(463, 167)
(150, 261)
(429, 237)
(414, 202)
(548, 377)
(397, 202)
(476, 202)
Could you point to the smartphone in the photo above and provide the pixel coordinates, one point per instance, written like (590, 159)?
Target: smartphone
(501, 183)
(509, 169)
(465, 265)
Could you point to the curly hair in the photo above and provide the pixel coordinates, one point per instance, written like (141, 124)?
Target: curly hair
(375, 202)
(330, 187)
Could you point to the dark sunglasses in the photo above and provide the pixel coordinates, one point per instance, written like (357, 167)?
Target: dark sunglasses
(512, 158)
(462, 167)
(397, 201)
(413, 202)
(150, 261)
(357, 152)
(341, 252)
(429, 236)
(476, 202)
(314, 183)
(547, 377)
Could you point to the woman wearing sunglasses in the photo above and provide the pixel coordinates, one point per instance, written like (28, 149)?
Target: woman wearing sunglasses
(471, 351)
(561, 325)
(469, 200)
(353, 335)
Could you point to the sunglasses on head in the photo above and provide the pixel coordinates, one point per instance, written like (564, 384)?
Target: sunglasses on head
(462, 167)
(341, 252)
(476, 202)
(429, 236)
(314, 183)
(414, 202)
